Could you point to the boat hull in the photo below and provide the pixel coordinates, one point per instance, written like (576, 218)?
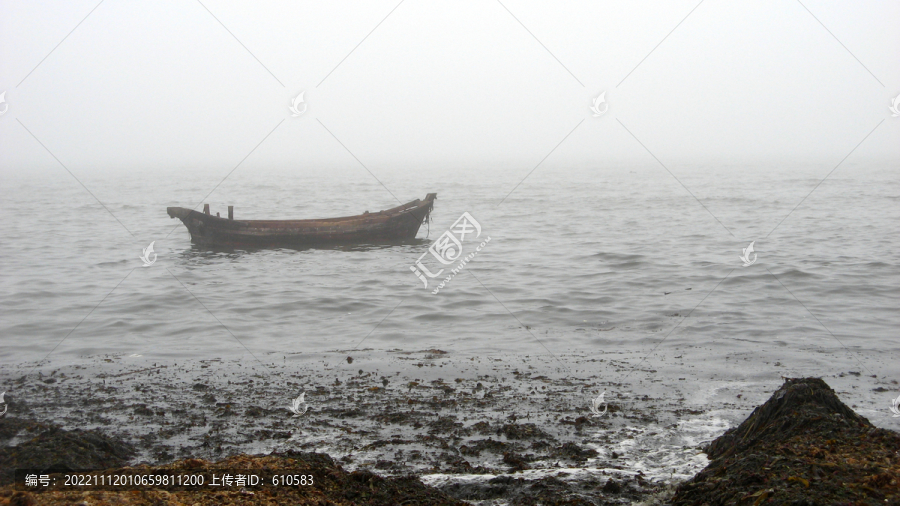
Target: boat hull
(395, 224)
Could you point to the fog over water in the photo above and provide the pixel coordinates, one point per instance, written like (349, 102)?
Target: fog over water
(617, 228)
(148, 85)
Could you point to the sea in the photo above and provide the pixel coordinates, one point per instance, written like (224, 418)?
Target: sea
(587, 262)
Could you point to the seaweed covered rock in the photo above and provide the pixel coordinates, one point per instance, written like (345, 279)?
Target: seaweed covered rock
(330, 485)
(802, 447)
(550, 491)
(51, 448)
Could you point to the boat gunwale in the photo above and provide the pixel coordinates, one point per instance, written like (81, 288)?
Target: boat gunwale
(387, 214)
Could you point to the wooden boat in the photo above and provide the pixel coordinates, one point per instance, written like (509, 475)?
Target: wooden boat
(401, 222)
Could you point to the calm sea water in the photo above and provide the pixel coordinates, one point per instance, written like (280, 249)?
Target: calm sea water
(590, 260)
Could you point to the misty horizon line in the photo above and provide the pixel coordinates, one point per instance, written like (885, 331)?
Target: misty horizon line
(612, 164)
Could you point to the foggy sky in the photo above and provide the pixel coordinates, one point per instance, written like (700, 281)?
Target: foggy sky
(142, 84)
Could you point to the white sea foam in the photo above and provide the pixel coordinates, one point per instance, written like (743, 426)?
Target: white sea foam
(662, 453)
(656, 453)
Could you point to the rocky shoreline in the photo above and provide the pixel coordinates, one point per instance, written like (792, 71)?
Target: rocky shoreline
(445, 435)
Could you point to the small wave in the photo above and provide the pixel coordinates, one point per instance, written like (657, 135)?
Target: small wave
(618, 257)
(796, 274)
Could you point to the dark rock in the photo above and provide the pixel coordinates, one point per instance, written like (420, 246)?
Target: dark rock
(331, 485)
(54, 448)
(474, 448)
(460, 465)
(547, 491)
(143, 410)
(483, 428)
(522, 431)
(517, 462)
(22, 499)
(444, 424)
(612, 487)
(803, 446)
(574, 452)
